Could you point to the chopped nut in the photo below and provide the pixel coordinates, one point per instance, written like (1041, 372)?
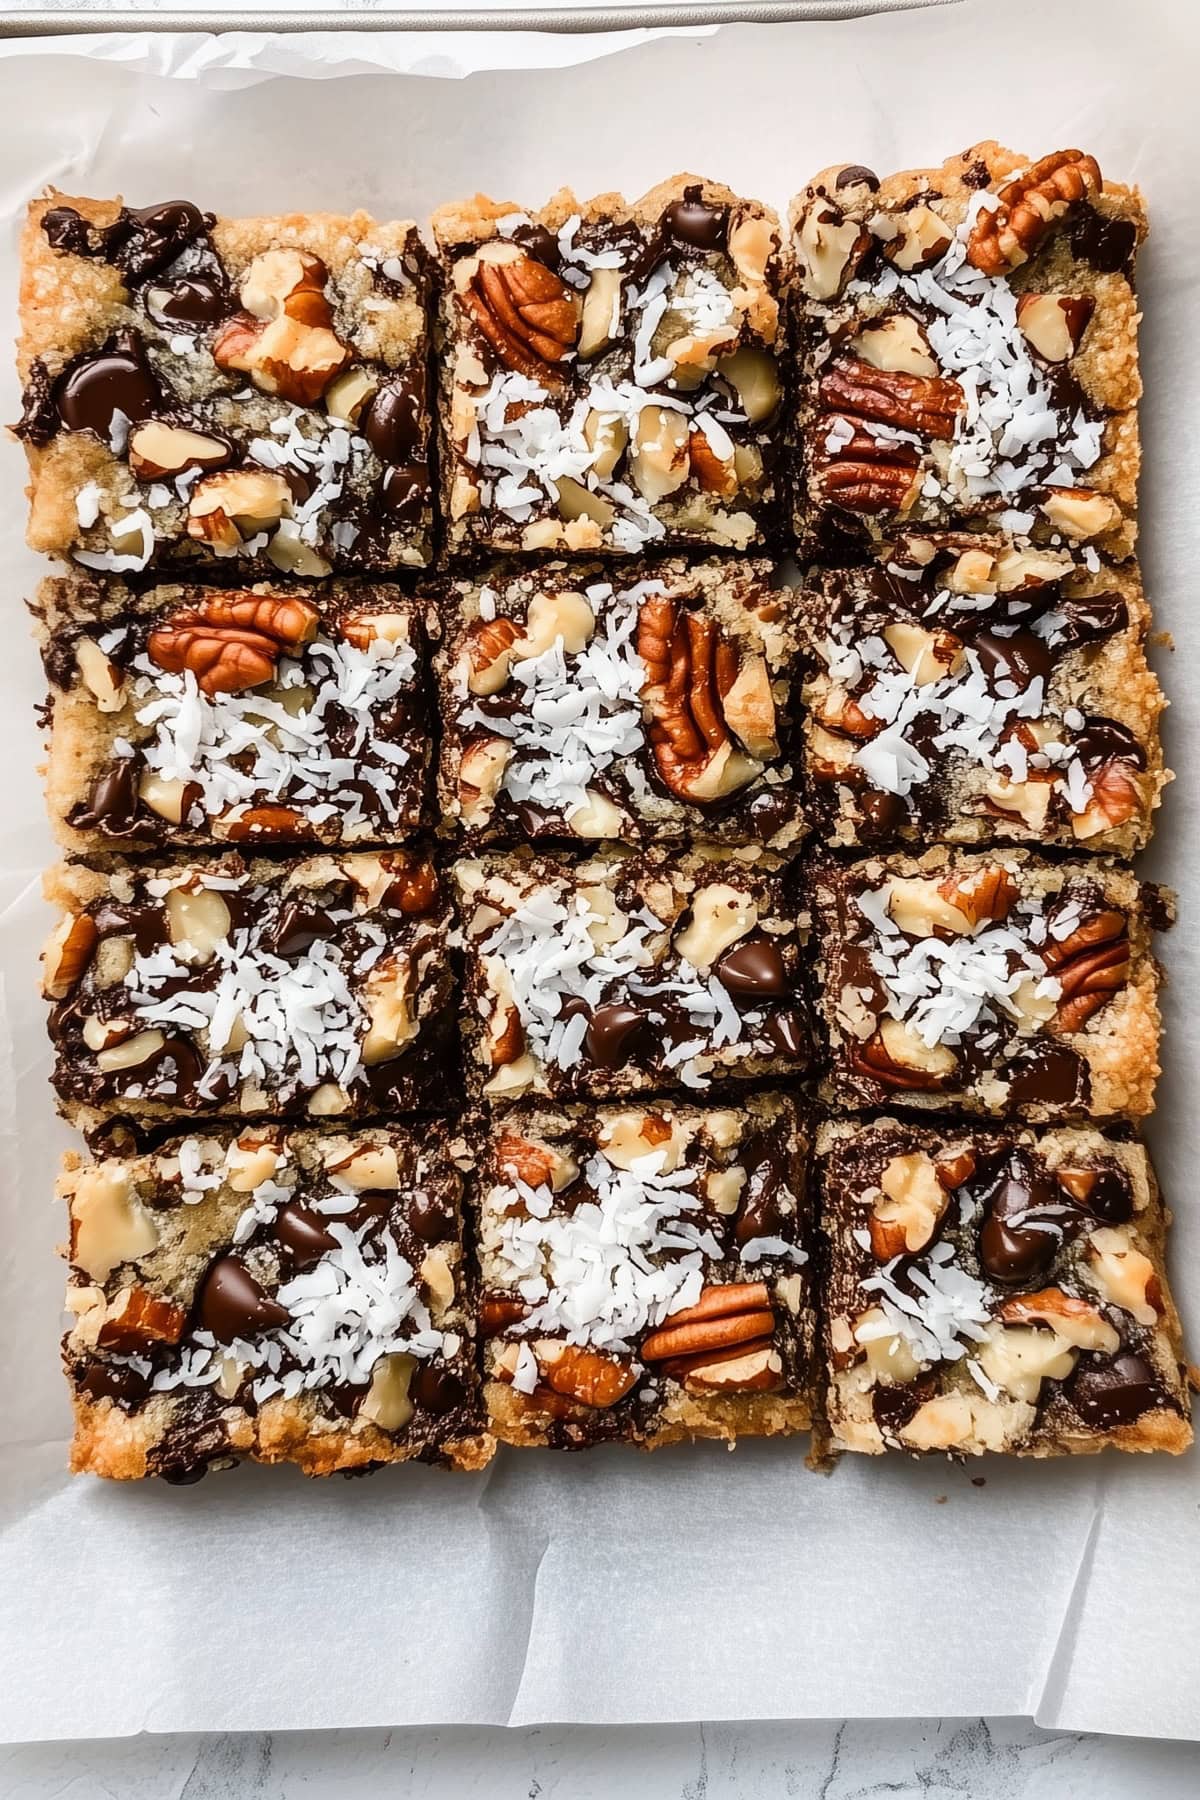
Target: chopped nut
(387, 1402)
(940, 1424)
(136, 1318)
(197, 921)
(1080, 512)
(578, 502)
(920, 908)
(659, 459)
(480, 774)
(109, 1224)
(385, 996)
(896, 342)
(348, 395)
(1123, 1274)
(371, 1166)
(720, 915)
(101, 677)
(285, 339)
(1029, 800)
(130, 1053)
(910, 1208)
(599, 818)
(551, 616)
(926, 655)
(68, 953)
(1018, 1358)
(1054, 323)
(829, 248)
(1074, 1321)
(437, 1280)
(921, 237)
(164, 796)
(607, 437)
(156, 449)
(230, 509)
(889, 1356)
(627, 1137)
(601, 312)
(754, 378)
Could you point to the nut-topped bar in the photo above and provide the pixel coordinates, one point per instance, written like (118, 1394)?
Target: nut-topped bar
(201, 715)
(202, 390)
(609, 375)
(629, 973)
(653, 706)
(993, 1288)
(989, 984)
(281, 1296)
(646, 1274)
(968, 344)
(978, 694)
(224, 987)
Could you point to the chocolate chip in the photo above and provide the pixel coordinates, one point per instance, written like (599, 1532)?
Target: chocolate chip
(1049, 1075)
(113, 804)
(1110, 1197)
(1026, 1219)
(856, 175)
(403, 489)
(753, 971)
(1103, 739)
(1091, 619)
(98, 386)
(539, 243)
(231, 1303)
(1107, 244)
(192, 300)
(430, 1216)
(304, 1234)
(785, 1032)
(1114, 1393)
(882, 814)
(298, 927)
(437, 1390)
(114, 1381)
(394, 423)
(1020, 657)
(615, 1033)
(690, 221)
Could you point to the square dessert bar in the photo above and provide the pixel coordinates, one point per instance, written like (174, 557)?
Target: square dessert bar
(995, 1288)
(650, 707)
(283, 1296)
(247, 390)
(983, 694)
(646, 1274)
(627, 973)
(224, 987)
(988, 983)
(609, 373)
(200, 715)
(968, 346)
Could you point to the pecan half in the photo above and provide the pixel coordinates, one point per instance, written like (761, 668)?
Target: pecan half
(232, 641)
(989, 893)
(927, 404)
(498, 1311)
(1114, 799)
(1092, 965)
(727, 1314)
(1005, 237)
(525, 312)
(585, 1375)
(691, 668)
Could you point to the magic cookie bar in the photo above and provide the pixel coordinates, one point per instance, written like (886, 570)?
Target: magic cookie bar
(624, 973)
(219, 987)
(199, 715)
(992, 984)
(649, 707)
(609, 372)
(968, 346)
(993, 1288)
(989, 694)
(247, 390)
(283, 1296)
(646, 1274)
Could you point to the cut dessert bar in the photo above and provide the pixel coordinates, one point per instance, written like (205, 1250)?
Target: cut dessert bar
(968, 346)
(200, 715)
(251, 390)
(626, 973)
(220, 987)
(609, 372)
(652, 707)
(283, 1296)
(993, 1288)
(646, 1274)
(985, 694)
(989, 983)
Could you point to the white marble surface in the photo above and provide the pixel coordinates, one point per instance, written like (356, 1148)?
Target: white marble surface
(945, 1759)
(996, 1759)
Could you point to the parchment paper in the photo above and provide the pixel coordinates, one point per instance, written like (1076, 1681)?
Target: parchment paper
(610, 1587)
